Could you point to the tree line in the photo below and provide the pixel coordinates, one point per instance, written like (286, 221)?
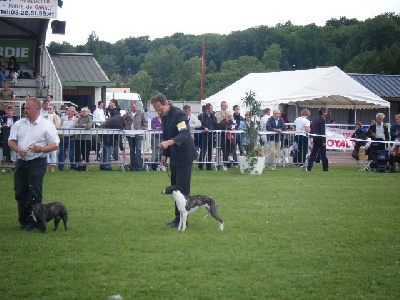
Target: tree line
(172, 65)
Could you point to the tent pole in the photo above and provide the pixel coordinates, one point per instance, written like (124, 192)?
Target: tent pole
(355, 115)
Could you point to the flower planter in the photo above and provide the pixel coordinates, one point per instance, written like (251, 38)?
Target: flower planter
(251, 165)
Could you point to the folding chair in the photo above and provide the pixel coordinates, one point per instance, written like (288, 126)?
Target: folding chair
(363, 160)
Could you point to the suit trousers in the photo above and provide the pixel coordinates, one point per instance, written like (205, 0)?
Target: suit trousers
(181, 176)
(28, 185)
(318, 148)
(135, 152)
(274, 152)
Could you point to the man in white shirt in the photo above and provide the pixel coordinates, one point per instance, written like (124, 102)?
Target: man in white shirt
(98, 114)
(379, 133)
(221, 114)
(31, 138)
(193, 121)
(302, 125)
(45, 107)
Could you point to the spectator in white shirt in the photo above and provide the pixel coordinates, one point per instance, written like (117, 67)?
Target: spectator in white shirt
(302, 125)
(193, 121)
(98, 114)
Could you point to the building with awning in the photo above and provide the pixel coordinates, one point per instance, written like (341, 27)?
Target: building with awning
(82, 78)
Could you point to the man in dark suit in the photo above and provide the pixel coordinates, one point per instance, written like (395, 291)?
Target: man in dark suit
(275, 124)
(318, 140)
(178, 145)
(208, 124)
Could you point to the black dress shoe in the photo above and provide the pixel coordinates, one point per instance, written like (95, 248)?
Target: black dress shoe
(29, 227)
(173, 222)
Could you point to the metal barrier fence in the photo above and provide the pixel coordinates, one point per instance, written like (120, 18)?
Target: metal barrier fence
(216, 150)
(106, 147)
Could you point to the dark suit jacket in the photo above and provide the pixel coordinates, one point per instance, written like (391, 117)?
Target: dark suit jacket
(115, 122)
(271, 125)
(318, 127)
(183, 152)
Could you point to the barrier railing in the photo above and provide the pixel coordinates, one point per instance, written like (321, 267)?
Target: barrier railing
(216, 150)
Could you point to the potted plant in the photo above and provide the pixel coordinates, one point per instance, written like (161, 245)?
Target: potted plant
(253, 161)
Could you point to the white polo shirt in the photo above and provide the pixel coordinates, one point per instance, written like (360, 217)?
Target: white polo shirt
(301, 123)
(41, 132)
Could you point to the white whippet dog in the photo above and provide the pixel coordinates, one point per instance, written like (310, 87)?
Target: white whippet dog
(189, 204)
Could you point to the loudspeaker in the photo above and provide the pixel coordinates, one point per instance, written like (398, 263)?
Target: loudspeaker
(58, 27)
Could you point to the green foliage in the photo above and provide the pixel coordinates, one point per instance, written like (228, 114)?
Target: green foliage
(242, 66)
(272, 58)
(347, 43)
(253, 106)
(64, 47)
(141, 83)
(372, 62)
(288, 235)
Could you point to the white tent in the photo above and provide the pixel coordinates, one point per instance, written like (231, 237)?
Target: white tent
(329, 87)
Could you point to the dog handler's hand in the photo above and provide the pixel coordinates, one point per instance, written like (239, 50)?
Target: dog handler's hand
(166, 144)
(22, 152)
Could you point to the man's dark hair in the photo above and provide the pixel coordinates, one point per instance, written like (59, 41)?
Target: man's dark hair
(128, 118)
(186, 107)
(158, 98)
(100, 102)
(208, 105)
(235, 106)
(322, 110)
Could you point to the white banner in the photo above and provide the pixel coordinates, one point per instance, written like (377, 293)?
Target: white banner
(339, 139)
(43, 9)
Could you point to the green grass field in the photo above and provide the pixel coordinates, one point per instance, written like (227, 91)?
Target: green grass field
(288, 235)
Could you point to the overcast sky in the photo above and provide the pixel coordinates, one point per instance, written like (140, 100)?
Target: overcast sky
(119, 19)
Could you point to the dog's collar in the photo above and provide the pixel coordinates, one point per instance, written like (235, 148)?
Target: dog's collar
(33, 216)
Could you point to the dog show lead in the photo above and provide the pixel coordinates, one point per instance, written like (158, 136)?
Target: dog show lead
(178, 145)
(31, 138)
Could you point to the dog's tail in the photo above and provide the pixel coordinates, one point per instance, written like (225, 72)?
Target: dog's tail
(214, 213)
(221, 226)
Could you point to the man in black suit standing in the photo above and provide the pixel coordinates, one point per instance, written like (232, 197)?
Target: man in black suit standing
(178, 145)
(318, 143)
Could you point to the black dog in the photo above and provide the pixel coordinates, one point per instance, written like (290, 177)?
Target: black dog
(43, 213)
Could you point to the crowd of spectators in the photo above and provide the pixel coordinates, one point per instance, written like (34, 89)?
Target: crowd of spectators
(210, 130)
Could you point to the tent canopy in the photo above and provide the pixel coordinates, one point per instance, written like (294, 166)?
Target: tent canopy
(329, 87)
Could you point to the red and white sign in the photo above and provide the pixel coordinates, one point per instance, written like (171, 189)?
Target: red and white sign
(339, 139)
